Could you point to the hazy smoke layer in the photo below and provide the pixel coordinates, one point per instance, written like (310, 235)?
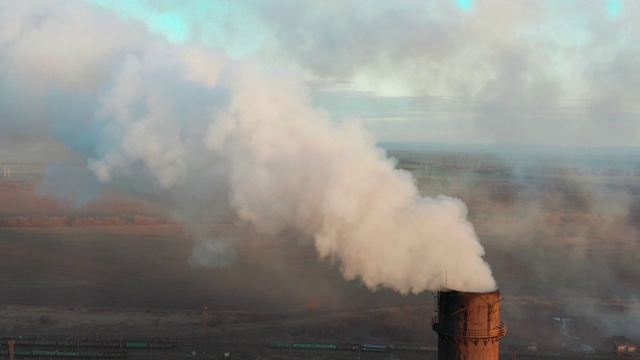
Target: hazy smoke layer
(208, 137)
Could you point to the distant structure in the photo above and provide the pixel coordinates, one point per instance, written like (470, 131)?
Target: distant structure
(205, 320)
(6, 172)
(19, 172)
(12, 351)
(468, 325)
(623, 348)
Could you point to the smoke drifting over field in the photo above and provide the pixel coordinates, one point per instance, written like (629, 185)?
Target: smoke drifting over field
(217, 139)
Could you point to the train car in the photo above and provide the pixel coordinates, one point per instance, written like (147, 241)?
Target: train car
(162, 345)
(371, 347)
(90, 354)
(114, 355)
(407, 347)
(44, 343)
(349, 347)
(428, 348)
(94, 344)
(315, 346)
(136, 344)
(44, 352)
(23, 342)
(111, 344)
(73, 354)
(17, 342)
(23, 352)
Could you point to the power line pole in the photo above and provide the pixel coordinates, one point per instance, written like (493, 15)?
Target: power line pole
(205, 318)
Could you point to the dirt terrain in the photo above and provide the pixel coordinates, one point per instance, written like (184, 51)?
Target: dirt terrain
(559, 246)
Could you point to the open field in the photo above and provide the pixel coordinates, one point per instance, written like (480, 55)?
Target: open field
(559, 246)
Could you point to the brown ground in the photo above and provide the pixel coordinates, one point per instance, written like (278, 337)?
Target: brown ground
(555, 253)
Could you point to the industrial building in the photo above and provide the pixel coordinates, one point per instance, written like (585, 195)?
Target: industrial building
(468, 325)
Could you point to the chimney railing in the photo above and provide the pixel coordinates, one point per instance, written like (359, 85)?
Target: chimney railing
(495, 333)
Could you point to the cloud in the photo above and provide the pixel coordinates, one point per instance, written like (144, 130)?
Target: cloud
(529, 71)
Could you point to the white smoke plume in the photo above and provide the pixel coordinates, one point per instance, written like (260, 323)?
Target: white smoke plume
(209, 137)
(290, 166)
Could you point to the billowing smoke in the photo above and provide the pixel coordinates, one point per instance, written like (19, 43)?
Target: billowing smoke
(285, 165)
(213, 139)
(290, 166)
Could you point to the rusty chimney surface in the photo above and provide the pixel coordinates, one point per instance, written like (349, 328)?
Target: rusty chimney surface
(468, 325)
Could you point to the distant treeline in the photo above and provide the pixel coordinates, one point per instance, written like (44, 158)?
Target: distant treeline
(16, 185)
(84, 221)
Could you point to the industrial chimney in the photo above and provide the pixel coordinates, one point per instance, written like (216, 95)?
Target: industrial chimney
(468, 325)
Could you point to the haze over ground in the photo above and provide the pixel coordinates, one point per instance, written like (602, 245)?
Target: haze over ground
(146, 93)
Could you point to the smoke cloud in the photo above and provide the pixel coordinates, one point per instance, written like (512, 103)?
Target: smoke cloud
(216, 139)
(290, 166)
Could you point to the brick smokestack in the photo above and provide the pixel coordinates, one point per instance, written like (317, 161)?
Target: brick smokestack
(468, 325)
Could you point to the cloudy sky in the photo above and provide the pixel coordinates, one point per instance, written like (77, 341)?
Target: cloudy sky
(554, 72)
(526, 71)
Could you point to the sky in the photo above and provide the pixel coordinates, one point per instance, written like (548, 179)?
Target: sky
(555, 72)
(536, 72)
